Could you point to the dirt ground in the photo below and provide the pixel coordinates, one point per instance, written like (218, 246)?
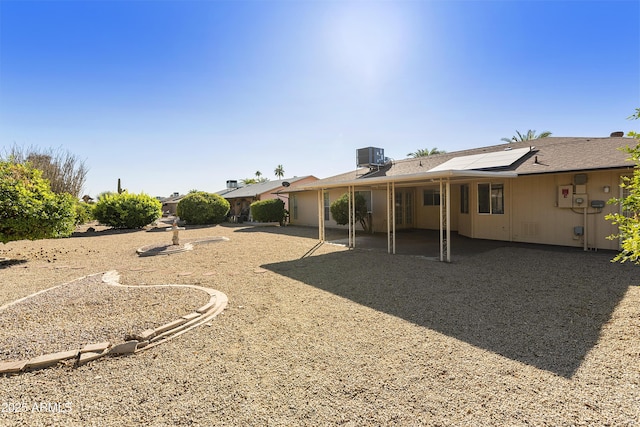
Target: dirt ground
(316, 334)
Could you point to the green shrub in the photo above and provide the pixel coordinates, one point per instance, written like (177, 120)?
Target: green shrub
(127, 210)
(340, 210)
(271, 210)
(28, 207)
(202, 208)
(84, 212)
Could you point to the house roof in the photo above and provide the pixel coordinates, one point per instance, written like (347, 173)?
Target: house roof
(545, 155)
(253, 190)
(172, 199)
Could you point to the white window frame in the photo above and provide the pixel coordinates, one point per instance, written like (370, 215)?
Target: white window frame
(494, 190)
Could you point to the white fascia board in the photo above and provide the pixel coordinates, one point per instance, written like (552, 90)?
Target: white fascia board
(416, 177)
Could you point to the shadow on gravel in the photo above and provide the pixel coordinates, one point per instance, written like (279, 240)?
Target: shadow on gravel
(106, 232)
(539, 306)
(6, 263)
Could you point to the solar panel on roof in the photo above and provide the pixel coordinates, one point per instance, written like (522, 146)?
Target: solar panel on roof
(495, 159)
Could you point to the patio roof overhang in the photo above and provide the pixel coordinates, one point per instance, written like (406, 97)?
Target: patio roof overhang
(431, 176)
(443, 178)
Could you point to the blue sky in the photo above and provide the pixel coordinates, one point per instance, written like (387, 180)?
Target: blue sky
(180, 95)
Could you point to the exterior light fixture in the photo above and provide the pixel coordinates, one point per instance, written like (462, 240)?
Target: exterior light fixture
(606, 188)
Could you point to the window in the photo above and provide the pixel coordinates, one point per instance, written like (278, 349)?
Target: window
(491, 199)
(327, 210)
(464, 199)
(431, 197)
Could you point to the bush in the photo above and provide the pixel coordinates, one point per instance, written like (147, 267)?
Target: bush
(28, 207)
(340, 210)
(127, 210)
(271, 210)
(203, 208)
(84, 213)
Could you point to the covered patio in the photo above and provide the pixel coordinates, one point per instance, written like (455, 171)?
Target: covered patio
(442, 178)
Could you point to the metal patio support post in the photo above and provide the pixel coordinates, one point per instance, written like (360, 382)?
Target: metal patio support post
(441, 224)
(349, 216)
(445, 220)
(448, 194)
(389, 204)
(352, 198)
(321, 235)
(393, 216)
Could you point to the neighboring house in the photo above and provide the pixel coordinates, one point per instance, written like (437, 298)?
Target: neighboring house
(240, 198)
(549, 191)
(170, 204)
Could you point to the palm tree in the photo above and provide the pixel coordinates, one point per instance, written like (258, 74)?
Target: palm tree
(531, 134)
(260, 178)
(248, 181)
(279, 171)
(424, 152)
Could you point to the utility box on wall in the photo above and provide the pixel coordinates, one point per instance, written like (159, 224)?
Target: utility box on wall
(580, 201)
(565, 196)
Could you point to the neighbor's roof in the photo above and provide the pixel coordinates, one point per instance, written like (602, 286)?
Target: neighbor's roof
(545, 155)
(172, 199)
(253, 190)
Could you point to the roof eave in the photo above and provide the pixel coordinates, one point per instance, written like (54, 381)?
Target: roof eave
(416, 177)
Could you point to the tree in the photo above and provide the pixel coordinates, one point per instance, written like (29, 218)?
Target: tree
(66, 174)
(28, 207)
(279, 171)
(628, 221)
(248, 181)
(260, 178)
(340, 210)
(424, 152)
(531, 134)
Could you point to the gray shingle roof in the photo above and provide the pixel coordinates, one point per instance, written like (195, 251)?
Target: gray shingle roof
(551, 154)
(252, 190)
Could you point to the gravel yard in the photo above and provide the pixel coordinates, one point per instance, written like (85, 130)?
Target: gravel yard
(512, 335)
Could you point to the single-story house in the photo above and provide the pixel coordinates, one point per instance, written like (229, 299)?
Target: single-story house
(548, 191)
(240, 198)
(170, 204)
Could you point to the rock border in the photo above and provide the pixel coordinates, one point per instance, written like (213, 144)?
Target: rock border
(145, 340)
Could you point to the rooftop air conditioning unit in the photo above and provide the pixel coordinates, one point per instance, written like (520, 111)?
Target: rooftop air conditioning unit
(370, 156)
(232, 184)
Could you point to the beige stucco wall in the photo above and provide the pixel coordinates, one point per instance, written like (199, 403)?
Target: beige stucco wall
(307, 211)
(531, 212)
(538, 219)
(428, 217)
